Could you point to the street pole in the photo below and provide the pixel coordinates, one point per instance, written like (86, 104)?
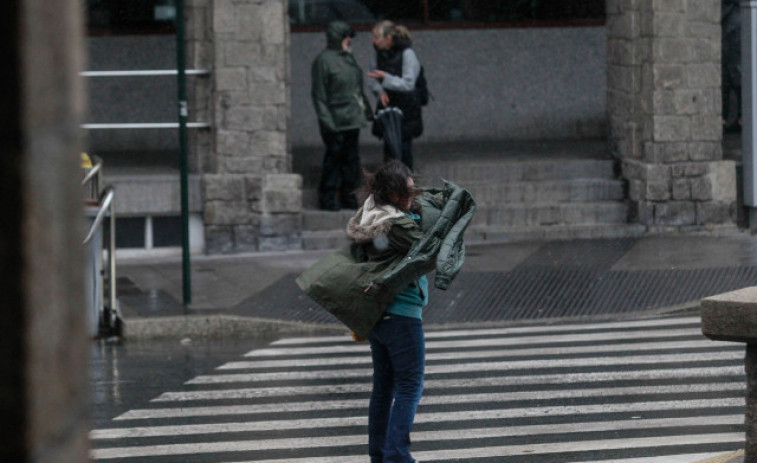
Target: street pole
(183, 162)
(749, 103)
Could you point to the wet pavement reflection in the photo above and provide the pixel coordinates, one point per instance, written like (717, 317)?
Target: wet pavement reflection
(128, 375)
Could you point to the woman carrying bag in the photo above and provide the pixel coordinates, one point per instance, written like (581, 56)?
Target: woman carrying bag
(377, 286)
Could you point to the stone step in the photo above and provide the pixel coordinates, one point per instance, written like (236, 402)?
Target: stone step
(556, 191)
(479, 234)
(315, 240)
(494, 171)
(516, 171)
(323, 239)
(551, 214)
(511, 215)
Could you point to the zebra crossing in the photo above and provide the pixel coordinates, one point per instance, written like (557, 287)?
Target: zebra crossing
(634, 391)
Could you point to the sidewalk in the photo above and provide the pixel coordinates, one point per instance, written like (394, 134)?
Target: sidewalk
(500, 283)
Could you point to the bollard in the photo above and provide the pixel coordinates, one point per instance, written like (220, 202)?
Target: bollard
(733, 317)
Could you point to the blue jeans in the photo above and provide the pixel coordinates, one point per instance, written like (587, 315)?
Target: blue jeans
(399, 356)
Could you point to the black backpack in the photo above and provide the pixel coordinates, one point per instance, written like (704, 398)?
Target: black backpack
(421, 88)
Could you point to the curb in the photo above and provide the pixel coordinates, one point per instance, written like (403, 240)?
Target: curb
(734, 457)
(219, 326)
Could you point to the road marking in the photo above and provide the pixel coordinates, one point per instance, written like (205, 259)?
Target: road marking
(481, 452)
(552, 339)
(648, 323)
(533, 380)
(288, 407)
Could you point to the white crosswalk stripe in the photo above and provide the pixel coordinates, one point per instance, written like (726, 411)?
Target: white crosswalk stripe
(636, 391)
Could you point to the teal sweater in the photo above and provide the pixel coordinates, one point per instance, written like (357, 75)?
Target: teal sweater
(410, 301)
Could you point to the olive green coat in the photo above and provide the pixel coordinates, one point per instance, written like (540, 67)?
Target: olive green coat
(359, 281)
(337, 85)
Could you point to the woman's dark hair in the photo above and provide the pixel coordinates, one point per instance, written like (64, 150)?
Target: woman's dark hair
(390, 178)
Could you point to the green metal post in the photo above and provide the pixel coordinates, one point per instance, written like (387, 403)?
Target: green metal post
(184, 164)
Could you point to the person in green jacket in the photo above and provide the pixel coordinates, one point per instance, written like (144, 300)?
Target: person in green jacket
(377, 287)
(389, 224)
(341, 107)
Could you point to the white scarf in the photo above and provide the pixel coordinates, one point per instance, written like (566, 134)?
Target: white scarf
(373, 214)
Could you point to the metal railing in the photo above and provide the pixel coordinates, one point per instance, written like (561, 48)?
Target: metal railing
(143, 125)
(108, 315)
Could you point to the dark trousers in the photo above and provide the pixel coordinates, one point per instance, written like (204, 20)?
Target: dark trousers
(399, 357)
(407, 153)
(341, 169)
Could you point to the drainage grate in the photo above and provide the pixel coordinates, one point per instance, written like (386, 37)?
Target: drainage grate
(529, 292)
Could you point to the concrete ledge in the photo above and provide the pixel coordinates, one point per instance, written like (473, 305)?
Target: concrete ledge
(219, 326)
(734, 457)
(731, 316)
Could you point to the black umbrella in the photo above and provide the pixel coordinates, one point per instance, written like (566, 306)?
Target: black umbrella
(390, 124)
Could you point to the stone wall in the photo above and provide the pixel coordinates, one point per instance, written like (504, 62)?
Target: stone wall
(252, 201)
(44, 400)
(664, 110)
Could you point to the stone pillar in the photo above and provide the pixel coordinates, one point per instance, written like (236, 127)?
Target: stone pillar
(664, 111)
(44, 398)
(252, 201)
(733, 317)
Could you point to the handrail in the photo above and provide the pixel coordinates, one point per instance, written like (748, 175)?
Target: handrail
(145, 125)
(104, 206)
(92, 172)
(155, 72)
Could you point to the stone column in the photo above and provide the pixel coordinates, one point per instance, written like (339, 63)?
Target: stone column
(252, 201)
(664, 111)
(44, 349)
(733, 317)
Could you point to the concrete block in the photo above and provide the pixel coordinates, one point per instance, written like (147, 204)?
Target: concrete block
(239, 164)
(671, 128)
(722, 177)
(668, 25)
(705, 151)
(701, 189)
(731, 316)
(282, 201)
(223, 187)
(246, 118)
(227, 213)
(676, 213)
(681, 189)
(714, 212)
(670, 76)
(672, 50)
(231, 79)
(658, 190)
(219, 239)
(232, 142)
(280, 243)
(283, 182)
(253, 187)
(246, 238)
(707, 128)
(280, 224)
(705, 11)
(703, 75)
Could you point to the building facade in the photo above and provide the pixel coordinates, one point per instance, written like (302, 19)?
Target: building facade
(645, 77)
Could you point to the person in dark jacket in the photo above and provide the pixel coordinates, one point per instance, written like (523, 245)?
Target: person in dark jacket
(394, 71)
(342, 108)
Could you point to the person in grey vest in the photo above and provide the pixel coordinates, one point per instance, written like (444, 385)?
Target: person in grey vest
(394, 71)
(731, 62)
